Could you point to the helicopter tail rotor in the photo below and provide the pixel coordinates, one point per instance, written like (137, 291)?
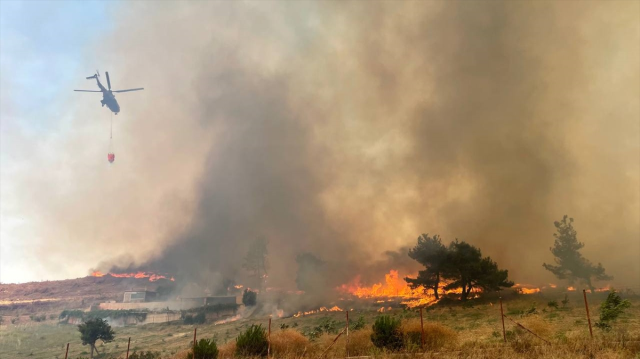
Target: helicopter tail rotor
(95, 76)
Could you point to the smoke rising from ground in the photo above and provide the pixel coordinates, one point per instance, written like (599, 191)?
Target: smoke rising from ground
(348, 129)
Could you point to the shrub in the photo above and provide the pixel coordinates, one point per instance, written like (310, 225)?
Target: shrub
(38, 318)
(386, 333)
(71, 313)
(252, 342)
(553, 304)
(204, 349)
(358, 324)
(611, 309)
(145, 355)
(200, 318)
(436, 335)
(249, 298)
(288, 343)
(328, 325)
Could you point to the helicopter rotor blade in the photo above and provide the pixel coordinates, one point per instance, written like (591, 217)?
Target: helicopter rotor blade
(87, 91)
(108, 81)
(129, 90)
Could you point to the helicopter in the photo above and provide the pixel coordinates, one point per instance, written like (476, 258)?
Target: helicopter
(108, 98)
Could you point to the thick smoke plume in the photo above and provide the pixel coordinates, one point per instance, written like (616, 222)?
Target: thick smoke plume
(347, 129)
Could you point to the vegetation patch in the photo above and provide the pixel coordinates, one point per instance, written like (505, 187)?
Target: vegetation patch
(386, 333)
(252, 342)
(204, 349)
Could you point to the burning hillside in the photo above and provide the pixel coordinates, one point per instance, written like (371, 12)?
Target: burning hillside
(395, 289)
(138, 275)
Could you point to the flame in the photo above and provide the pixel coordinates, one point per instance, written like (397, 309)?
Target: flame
(604, 289)
(571, 289)
(526, 289)
(97, 274)
(395, 287)
(152, 276)
(335, 308)
(228, 320)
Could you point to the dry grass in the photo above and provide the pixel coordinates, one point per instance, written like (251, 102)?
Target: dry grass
(360, 342)
(324, 342)
(523, 341)
(180, 355)
(436, 336)
(288, 343)
(227, 350)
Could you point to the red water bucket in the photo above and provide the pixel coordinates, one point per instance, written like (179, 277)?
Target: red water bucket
(111, 157)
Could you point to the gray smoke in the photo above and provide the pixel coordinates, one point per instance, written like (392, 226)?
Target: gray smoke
(347, 129)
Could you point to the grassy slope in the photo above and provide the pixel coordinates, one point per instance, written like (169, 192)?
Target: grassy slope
(478, 328)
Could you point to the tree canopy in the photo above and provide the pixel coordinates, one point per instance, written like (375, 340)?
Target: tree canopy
(431, 253)
(570, 264)
(93, 330)
(460, 265)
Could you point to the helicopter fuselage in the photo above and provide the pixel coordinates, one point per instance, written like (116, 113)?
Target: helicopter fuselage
(109, 99)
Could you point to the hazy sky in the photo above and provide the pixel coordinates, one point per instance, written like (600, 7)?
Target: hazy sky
(345, 129)
(44, 47)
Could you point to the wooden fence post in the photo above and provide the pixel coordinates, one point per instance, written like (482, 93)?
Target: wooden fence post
(586, 305)
(347, 345)
(67, 353)
(504, 333)
(269, 339)
(194, 341)
(128, 345)
(421, 330)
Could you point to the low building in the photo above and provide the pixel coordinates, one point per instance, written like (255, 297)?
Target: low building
(208, 301)
(139, 296)
(146, 300)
